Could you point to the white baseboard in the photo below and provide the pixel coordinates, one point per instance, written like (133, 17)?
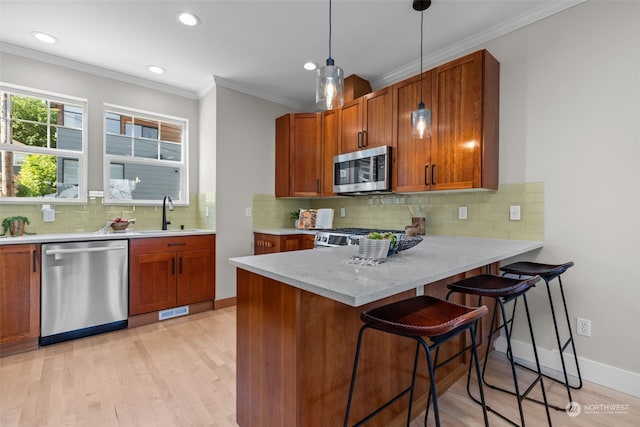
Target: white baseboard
(608, 376)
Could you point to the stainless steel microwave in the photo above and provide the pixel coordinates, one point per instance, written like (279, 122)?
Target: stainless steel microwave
(363, 171)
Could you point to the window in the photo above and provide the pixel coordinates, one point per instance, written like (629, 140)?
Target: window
(42, 146)
(145, 157)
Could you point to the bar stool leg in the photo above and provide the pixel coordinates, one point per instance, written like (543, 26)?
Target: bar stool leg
(562, 348)
(535, 354)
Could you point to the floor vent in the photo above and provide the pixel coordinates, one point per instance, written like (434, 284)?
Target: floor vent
(173, 312)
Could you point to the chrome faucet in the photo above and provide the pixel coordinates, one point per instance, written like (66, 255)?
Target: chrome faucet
(164, 211)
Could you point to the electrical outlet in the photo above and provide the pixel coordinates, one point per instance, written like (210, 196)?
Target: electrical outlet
(514, 213)
(583, 327)
(462, 212)
(247, 211)
(343, 212)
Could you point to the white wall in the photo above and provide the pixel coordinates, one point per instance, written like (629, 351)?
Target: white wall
(98, 90)
(570, 91)
(245, 166)
(207, 159)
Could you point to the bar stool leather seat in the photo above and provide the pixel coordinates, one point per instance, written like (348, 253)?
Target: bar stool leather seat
(417, 318)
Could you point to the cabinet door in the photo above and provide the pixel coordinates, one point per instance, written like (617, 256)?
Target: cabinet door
(330, 128)
(19, 297)
(411, 156)
(196, 276)
(152, 282)
(351, 126)
(377, 118)
(464, 153)
(283, 126)
(265, 243)
(305, 155)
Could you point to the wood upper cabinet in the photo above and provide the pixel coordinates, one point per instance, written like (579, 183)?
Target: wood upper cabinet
(466, 96)
(330, 129)
(411, 167)
(168, 272)
(366, 122)
(273, 243)
(19, 298)
(462, 152)
(298, 155)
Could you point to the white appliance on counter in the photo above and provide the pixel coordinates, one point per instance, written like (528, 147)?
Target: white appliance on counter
(84, 289)
(344, 236)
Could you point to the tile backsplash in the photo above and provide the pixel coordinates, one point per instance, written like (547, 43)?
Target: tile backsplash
(75, 218)
(487, 211)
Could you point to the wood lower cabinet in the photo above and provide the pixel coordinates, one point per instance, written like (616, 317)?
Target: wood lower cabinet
(298, 155)
(19, 298)
(167, 272)
(366, 122)
(274, 243)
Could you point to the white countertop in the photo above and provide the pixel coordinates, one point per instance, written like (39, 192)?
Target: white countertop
(323, 271)
(76, 237)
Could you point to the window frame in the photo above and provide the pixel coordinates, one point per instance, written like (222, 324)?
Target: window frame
(61, 154)
(109, 159)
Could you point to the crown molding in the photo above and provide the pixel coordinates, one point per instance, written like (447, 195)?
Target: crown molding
(229, 84)
(92, 69)
(441, 56)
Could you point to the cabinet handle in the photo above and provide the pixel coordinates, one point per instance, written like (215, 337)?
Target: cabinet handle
(359, 139)
(426, 174)
(433, 175)
(35, 261)
(180, 266)
(173, 266)
(177, 244)
(365, 139)
(318, 185)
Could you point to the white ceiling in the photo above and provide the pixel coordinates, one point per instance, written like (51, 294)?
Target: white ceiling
(257, 47)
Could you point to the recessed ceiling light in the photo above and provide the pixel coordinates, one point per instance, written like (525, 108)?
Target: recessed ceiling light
(44, 37)
(188, 18)
(310, 66)
(156, 69)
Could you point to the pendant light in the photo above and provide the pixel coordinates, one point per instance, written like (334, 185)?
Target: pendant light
(421, 118)
(329, 81)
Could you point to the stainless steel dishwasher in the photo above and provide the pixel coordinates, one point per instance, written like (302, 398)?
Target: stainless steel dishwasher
(84, 289)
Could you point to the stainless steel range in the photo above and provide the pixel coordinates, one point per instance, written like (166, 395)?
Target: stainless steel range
(344, 236)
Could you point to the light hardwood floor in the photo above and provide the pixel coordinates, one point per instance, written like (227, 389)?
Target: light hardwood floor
(181, 372)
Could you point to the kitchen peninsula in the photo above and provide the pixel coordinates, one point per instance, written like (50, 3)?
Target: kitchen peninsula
(298, 316)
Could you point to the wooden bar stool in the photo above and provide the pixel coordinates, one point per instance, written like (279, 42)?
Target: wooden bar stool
(418, 318)
(548, 272)
(504, 290)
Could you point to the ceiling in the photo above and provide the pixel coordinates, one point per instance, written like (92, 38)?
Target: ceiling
(257, 47)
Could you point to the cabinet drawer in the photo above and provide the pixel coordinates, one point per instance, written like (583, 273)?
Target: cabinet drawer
(171, 244)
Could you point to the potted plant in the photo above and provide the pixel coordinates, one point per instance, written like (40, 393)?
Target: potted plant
(295, 216)
(14, 225)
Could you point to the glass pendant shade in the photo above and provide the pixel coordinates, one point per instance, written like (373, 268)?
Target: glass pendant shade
(421, 122)
(329, 87)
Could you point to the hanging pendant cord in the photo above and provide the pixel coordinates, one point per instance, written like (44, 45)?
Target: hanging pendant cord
(421, 37)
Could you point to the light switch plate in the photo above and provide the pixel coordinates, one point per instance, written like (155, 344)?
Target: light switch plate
(48, 215)
(462, 212)
(514, 213)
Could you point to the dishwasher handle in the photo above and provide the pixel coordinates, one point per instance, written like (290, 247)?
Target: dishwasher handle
(82, 250)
